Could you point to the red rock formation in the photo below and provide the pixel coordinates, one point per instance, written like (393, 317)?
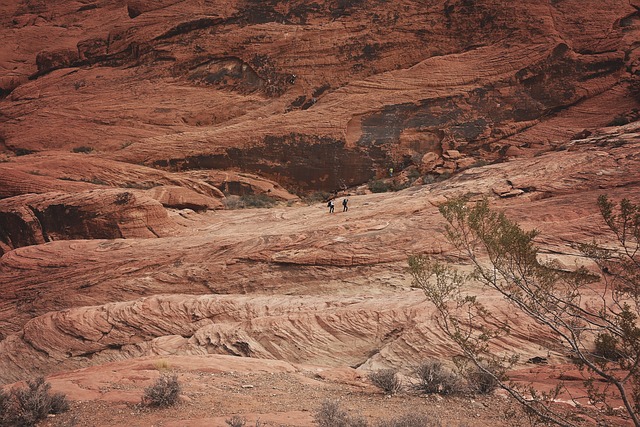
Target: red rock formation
(96, 214)
(120, 119)
(314, 95)
(346, 270)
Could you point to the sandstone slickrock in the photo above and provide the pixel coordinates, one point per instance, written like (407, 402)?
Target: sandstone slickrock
(100, 214)
(280, 89)
(123, 125)
(346, 272)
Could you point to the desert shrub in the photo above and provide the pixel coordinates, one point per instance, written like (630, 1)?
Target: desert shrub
(397, 186)
(387, 380)
(317, 196)
(382, 186)
(358, 421)
(443, 177)
(428, 179)
(28, 405)
(413, 174)
(601, 334)
(257, 201)
(409, 420)
(236, 421)
(330, 414)
(606, 347)
(82, 149)
(164, 392)
(162, 365)
(59, 403)
(123, 198)
(232, 202)
(249, 201)
(483, 379)
(379, 186)
(434, 378)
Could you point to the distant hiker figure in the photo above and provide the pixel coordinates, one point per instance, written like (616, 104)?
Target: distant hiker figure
(344, 204)
(390, 171)
(331, 206)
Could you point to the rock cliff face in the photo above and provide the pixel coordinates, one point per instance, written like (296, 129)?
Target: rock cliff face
(125, 126)
(315, 95)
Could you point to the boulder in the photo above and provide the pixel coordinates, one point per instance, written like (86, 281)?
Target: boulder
(452, 154)
(465, 162)
(429, 162)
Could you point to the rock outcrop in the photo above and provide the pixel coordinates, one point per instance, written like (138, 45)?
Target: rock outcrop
(314, 95)
(300, 285)
(125, 124)
(95, 214)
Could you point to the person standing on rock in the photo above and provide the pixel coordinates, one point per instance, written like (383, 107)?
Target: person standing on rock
(331, 205)
(344, 204)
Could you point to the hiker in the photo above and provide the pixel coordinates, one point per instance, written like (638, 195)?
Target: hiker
(331, 206)
(344, 204)
(391, 172)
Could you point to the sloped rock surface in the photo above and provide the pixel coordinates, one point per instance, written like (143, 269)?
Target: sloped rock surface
(94, 214)
(300, 284)
(69, 172)
(183, 198)
(314, 95)
(123, 124)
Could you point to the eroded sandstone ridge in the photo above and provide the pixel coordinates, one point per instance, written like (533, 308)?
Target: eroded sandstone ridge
(315, 95)
(125, 127)
(288, 283)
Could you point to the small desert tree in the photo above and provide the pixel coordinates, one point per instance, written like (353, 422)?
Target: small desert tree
(591, 317)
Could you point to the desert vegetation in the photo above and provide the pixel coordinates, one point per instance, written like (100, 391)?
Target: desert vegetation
(248, 201)
(331, 414)
(386, 185)
(387, 380)
(164, 392)
(434, 378)
(238, 421)
(26, 406)
(82, 149)
(592, 311)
